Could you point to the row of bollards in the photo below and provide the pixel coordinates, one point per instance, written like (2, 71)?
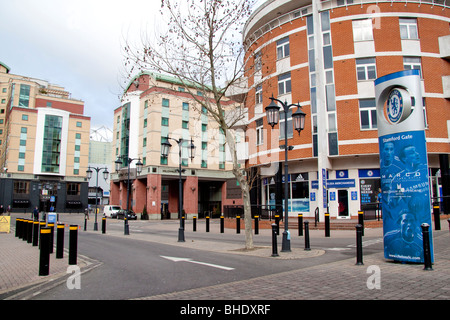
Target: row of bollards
(41, 234)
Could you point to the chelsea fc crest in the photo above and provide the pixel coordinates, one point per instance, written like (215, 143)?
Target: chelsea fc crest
(398, 105)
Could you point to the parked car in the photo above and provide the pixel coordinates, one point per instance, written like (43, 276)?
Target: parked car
(130, 215)
(111, 211)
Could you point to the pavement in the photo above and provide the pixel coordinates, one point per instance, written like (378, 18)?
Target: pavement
(376, 279)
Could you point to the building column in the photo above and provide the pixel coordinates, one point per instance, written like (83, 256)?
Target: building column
(140, 194)
(154, 191)
(190, 196)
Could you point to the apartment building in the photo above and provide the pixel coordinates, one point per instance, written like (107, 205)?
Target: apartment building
(44, 145)
(326, 56)
(155, 107)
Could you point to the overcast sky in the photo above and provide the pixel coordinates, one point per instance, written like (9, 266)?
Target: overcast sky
(75, 44)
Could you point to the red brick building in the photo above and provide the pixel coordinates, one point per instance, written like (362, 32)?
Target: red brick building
(326, 55)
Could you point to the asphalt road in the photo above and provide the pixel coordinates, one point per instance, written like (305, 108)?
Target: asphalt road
(129, 268)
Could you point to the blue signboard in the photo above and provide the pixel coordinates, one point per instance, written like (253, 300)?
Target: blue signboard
(405, 199)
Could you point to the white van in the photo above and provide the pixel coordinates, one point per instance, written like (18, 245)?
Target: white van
(111, 211)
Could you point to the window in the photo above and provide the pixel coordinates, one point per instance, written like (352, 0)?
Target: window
(185, 106)
(204, 164)
(165, 102)
(284, 83)
(204, 145)
(25, 117)
(79, 124)
(362, 30)
(144, 142)
(77, 135)
(258, 96)
(283, 48)
(165, 121)
(24, 96)
(408, 28)
(259, 132)
(23, 130)
(366, 69)
(204, 127)
(412, 63)
(368, 114)
(258, 61)
(73, 189)
(185, 124)
(21, 187)
(145, 123)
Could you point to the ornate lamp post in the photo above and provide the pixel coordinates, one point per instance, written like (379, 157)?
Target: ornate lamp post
(273, 116)
(105, 176)
(139, 166)
(165, 147)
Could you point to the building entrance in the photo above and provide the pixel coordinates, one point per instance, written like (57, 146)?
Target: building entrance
(343, 211)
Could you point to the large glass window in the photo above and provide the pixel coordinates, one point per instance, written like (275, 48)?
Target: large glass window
(52, 144)
(24, 97)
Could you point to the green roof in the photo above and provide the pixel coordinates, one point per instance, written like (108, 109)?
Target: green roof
(166, 78)
(7, 68)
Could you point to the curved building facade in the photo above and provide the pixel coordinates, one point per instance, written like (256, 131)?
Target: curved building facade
(326, 56)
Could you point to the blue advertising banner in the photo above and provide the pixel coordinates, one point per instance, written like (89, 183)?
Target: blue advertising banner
(405, 194)
(405, 191)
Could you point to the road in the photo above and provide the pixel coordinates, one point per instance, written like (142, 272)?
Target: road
(131, 266)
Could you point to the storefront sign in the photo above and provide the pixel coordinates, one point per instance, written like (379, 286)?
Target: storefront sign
(403, 165)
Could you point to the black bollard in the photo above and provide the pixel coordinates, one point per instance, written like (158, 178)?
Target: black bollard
(207, 224)
(73, 239)
(256, 224)
(30, 231)
(437, 219)
(274, 240)
(238, 224)
(426, 246)
(85, 222)
(307, 245)
(59, 240)
(194, 223)
(25, 230)
(361, 221)
(327, 224)
(277, 222)
(35, 233)
(44, 254)
(359, 255)
(17, 227)
(300, 224)
(52, 233)
(222, 226)
(104, 225)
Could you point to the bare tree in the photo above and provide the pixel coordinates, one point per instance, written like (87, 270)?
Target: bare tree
(202, 47)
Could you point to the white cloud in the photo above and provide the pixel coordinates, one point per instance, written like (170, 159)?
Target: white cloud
(76, 44)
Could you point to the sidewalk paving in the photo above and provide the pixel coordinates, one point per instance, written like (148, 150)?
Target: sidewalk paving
(342, 280)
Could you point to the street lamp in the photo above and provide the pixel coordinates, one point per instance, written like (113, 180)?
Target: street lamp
(273, 116)
(89, 176)
(165, 147)
(139, 165)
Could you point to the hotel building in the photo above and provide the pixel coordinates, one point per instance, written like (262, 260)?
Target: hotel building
(44, 145)
(326, 55)
(155, 107)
